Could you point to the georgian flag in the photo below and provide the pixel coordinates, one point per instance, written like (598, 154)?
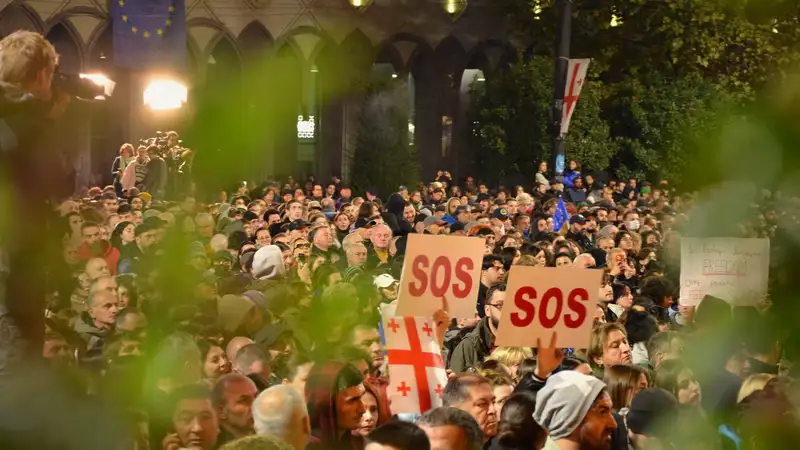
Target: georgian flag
(416, 370)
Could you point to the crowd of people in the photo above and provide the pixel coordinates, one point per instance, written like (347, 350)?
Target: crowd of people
(253, 321)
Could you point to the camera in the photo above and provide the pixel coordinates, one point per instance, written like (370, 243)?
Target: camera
(84, 87)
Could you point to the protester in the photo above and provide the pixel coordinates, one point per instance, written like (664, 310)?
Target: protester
(451, 429)
(281, 411)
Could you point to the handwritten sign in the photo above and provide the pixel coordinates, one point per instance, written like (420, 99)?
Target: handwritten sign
(736, 270)
(541, 301)
(437, 267)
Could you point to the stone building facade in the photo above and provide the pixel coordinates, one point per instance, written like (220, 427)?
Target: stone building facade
(439, 45)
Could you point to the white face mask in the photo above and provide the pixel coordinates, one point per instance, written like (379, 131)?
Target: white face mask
(633, 225)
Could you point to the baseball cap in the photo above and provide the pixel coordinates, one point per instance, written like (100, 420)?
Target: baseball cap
(432, 220)
(384, 280)
(298, 225)
(577, 218)
(500, 213)
(651, 412)
(458, 226)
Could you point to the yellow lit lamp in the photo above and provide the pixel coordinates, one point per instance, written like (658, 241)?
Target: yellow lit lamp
(165, 94)
(360, 5)
(615, 20)
(455, 7)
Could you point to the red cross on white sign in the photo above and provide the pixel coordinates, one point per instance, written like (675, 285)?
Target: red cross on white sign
(576, 74)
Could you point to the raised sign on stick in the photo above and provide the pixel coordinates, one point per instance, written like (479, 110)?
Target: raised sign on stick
(541, 301)
(439, 267)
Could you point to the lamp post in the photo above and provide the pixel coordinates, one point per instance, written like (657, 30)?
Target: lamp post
(563, 35)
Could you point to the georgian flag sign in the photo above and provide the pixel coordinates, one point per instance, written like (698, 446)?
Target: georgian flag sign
(416, 369)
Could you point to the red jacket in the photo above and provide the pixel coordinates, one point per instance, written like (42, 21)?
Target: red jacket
(109, 253)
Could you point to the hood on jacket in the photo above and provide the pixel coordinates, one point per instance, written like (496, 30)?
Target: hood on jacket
(268, 263)
(395, 205)
(231, 310)
(325, 382)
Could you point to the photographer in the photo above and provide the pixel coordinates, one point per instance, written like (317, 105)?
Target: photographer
(32, 172)
(34, 398)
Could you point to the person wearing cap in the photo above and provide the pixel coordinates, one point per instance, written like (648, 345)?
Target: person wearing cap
(458, 229)
(462, 214)
(651, 418)
(575, 409)
(500, 216)
(577, 231)
(298, 229)
(433, 225)
(387, 286)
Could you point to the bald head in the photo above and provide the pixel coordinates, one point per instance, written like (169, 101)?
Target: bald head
(104, 283)
(235, 345)
(281, 411)
(96, 268)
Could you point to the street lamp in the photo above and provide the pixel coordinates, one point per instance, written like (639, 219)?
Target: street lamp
(165, 94)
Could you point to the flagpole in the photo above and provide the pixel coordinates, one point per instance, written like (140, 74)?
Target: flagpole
(563, 35)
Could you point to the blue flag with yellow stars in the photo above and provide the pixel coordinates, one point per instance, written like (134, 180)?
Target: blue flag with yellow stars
(149, 33)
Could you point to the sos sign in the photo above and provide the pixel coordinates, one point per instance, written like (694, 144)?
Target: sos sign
(541, 301)
(439, 267)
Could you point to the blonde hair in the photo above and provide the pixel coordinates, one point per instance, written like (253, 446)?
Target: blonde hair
(598, 338)
(527, 260)
(511, 356)
(126, 146)
(753, 383)
(23, 54)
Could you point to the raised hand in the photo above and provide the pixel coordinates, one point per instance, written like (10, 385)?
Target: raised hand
(549, 358)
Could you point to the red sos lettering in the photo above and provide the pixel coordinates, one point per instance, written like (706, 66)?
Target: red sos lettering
(440, 276)
(525, 299)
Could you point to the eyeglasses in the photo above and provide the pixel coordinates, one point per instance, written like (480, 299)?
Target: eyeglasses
(302, 246)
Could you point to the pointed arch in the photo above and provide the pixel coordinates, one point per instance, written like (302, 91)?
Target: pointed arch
(19, 16)
(254, 38)
(389, 50)
(450, 53)
(68, 45)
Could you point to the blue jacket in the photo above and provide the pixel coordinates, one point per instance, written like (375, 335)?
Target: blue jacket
(569, 177)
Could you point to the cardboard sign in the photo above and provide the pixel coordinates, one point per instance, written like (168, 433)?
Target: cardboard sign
(736, 270)
(541, 301)
(437, 267)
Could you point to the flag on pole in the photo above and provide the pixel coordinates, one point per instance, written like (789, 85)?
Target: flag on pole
(561, 216)
(149, 33)
(416, 369)
(576, 74)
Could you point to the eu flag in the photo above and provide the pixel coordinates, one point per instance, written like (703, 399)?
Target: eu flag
(149, 33)
(561, 216)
